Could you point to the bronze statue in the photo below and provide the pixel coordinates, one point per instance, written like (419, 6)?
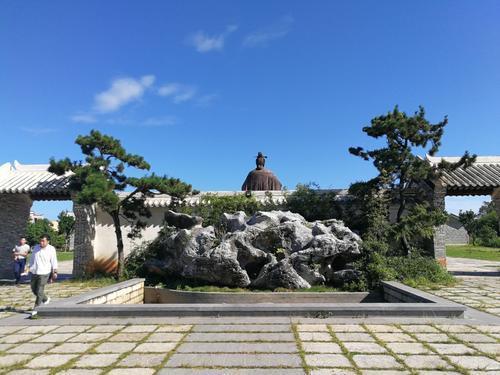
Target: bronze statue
(260, 161)
(261, 179)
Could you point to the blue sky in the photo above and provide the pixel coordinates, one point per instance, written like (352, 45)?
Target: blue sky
(198, 87)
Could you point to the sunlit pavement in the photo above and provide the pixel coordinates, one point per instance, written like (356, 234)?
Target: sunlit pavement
(252, 345)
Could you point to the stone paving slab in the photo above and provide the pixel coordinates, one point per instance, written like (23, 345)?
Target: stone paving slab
(236, 371)
(239, 347)
(270, 346)
(247, 337)
(242, 328)
(321, 347)
(234, 360)
(327, 360)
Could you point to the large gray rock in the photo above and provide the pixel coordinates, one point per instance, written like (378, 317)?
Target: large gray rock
(280, 275)
(182, 221)
(269, 250)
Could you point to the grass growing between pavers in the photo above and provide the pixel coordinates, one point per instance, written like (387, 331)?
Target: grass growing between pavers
(473, 252)
(390, 351)
(344, 350)
(426, 345)
(155, 359)
(300, 350)
(468, 344)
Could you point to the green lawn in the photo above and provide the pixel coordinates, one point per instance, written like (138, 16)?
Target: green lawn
(473, 252)
(64, 255)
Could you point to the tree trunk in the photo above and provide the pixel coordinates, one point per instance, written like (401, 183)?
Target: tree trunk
(119, 243)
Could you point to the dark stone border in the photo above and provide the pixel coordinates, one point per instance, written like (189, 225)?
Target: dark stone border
(418, 304)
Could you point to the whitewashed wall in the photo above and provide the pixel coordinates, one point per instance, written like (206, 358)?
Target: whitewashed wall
(105, 238)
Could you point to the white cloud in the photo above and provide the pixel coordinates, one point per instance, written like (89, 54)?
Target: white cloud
(206, 100)
(275, 31)
(178, 92)
(121, 92)
(203, 42)
(38, 131)
(159, 121)
(83, 118)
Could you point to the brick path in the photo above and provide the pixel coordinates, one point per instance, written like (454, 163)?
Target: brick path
(17, 298)
(250, 348)
(211, 346)
(479, 292)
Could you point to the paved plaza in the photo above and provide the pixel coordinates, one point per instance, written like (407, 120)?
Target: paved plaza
(274, 346)
(264, 348)
(481, 292)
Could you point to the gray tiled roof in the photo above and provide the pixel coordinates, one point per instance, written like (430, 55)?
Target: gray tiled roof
(483, 175)
(31, 179)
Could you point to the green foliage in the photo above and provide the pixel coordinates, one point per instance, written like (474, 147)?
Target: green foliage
(104, 174)
(66, 225)
(63, 256)
(483, 227)
(474, 252)
(368, 213)
(468, 220)
(40, 227)
(312, 203)
(211, 207)
(404, 174)
(415, 270)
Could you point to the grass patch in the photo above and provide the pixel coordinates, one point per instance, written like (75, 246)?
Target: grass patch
(96, 282)
(63, 256)
(473, 252)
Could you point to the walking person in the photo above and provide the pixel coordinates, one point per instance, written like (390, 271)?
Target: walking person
(19, 254)
(43, 268)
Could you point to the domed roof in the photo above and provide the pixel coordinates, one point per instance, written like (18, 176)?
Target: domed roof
(261, 179)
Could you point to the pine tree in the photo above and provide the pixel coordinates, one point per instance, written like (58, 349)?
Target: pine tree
(102, 179)
(402, 172)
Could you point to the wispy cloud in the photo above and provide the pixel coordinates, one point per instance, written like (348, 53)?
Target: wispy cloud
(38, 131)
(159, 121)
(178, 92)
(275, 31)
(147, 122)
(121, 92)
(84, 118)
(203, 42)
(206, 100)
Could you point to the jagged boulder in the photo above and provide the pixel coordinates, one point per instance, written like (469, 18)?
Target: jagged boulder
(268, 250)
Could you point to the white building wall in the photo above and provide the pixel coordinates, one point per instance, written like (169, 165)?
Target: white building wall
(105, 238)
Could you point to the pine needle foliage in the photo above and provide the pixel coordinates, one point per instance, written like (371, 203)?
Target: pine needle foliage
(103, 178)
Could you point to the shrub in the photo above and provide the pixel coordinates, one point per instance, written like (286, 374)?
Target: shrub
(312, 203)
(415, 270)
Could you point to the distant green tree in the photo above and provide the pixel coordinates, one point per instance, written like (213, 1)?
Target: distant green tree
(402, 171)
(103, 179)
(483, 227)
(469, 221)
(40, 227)
(66, 226)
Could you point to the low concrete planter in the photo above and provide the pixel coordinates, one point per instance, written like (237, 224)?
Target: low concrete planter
(156, 295)
(400, 300)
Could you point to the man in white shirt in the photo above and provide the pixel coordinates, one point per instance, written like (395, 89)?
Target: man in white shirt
(20, 253)
(43, 266)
